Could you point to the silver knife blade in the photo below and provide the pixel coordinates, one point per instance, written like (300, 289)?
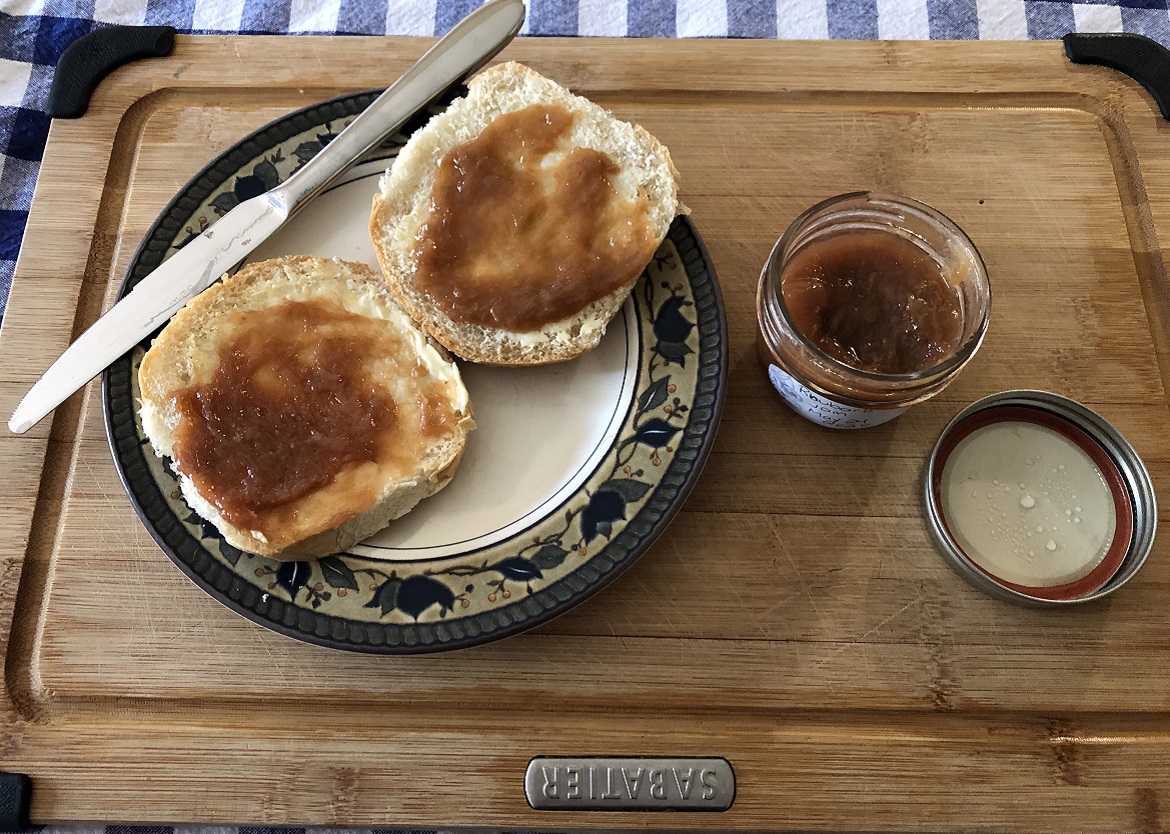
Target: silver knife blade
(184, 275)
(195, 267)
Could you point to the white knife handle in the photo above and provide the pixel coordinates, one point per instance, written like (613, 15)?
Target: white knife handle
(468, 46)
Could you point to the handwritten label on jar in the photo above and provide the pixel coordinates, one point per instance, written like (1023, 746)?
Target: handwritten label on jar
(826, 412)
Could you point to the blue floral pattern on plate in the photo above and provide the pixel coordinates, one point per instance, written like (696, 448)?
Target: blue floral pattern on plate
(366, 604)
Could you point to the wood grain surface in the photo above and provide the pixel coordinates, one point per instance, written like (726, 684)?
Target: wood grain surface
(795, 618)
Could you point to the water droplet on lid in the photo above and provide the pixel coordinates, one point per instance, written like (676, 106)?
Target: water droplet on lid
(996, 483)
(1039, 528)
(1068, 512)
(1078, 508)
(1050, 545)
(1031, 552)
(1027, 502)
(1022, 486)
(1077, 519)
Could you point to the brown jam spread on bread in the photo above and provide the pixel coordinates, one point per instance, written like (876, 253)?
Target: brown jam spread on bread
(298, 426)
(525, 230)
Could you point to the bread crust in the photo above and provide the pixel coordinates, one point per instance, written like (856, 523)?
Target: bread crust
(184, 353)
(401, 205)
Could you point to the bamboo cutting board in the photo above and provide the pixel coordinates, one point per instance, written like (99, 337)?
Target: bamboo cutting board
(794, 619)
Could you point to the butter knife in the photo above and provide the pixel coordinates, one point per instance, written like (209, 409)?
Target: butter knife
(467, 47)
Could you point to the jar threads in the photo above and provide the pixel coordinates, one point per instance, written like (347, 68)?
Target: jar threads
(824, 388)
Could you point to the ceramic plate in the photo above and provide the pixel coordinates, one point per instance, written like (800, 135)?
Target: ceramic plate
(573, 470)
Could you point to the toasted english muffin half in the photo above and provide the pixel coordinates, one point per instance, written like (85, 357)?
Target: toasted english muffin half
(301, 407)
(467, 234)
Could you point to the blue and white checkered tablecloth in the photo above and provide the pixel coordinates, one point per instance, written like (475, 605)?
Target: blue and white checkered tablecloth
(33, 33)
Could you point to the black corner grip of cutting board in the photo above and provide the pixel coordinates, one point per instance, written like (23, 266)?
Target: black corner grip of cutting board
(15, 796)
(1144, 60)
(92, 57)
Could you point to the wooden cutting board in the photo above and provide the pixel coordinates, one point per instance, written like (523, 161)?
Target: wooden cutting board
(795, 619)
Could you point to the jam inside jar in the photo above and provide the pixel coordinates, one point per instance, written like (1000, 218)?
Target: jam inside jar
(869, 304)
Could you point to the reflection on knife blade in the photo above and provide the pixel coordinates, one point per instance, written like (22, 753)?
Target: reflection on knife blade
(261, 217)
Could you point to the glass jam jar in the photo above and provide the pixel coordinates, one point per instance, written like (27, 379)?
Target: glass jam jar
(869, 304)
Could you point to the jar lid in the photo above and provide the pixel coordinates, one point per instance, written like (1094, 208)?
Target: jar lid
(1036, 499)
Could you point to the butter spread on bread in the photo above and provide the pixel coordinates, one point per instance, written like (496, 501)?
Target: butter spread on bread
(513, 226)
(302, 408)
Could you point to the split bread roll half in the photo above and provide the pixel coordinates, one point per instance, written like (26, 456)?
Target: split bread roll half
(301, 407)
(513, 225)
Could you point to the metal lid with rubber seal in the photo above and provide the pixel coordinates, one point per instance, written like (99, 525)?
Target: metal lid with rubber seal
(1036, 499)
